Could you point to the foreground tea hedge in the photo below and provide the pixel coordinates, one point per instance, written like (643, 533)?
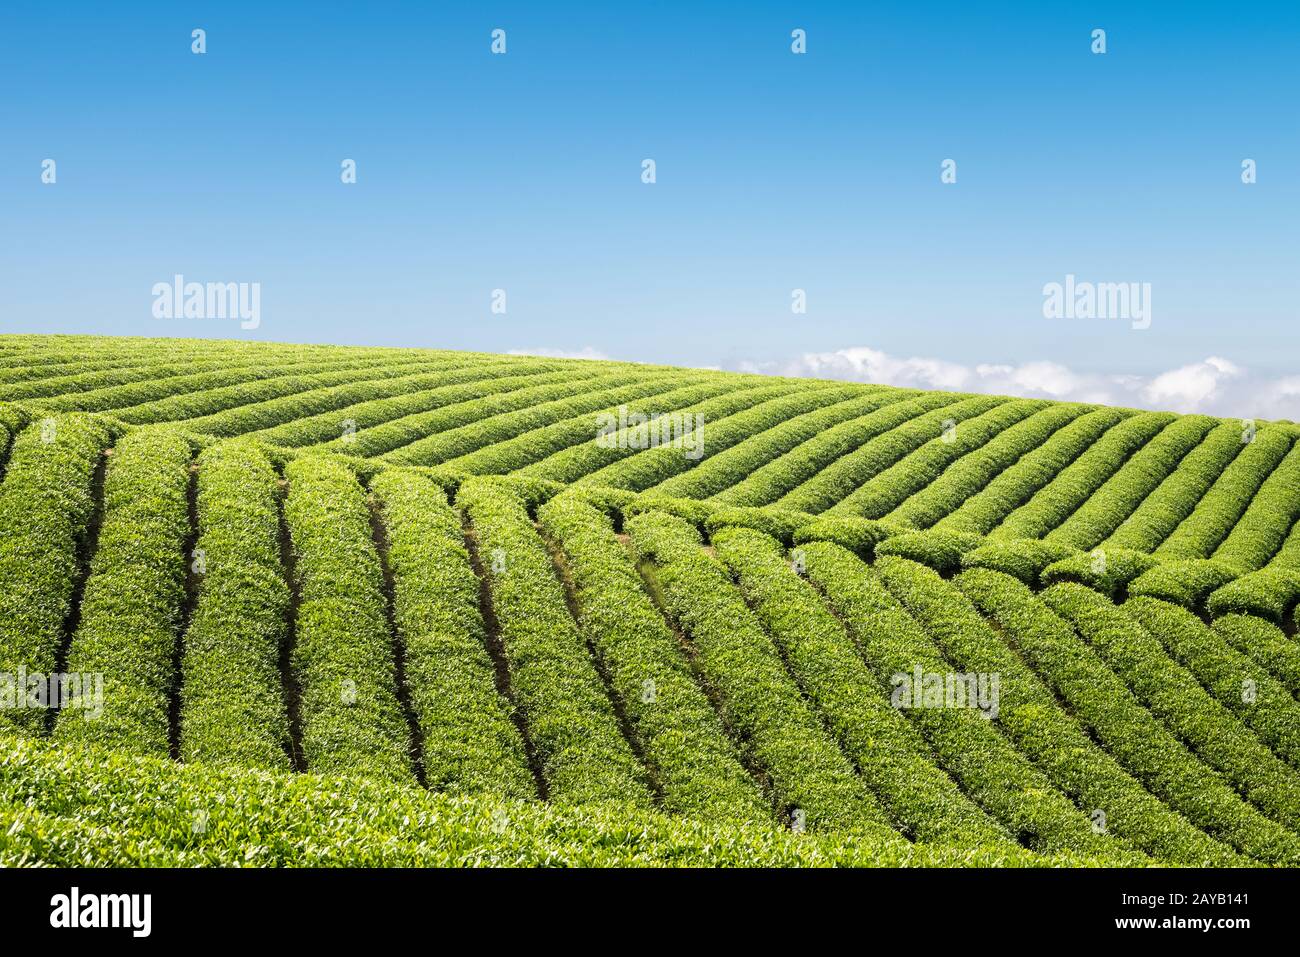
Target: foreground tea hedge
(570, 718)
(889, 753)
(97, 808)
(1101, 779)
(694, 764)
(46, 505)
(233, 708)
(1105, 706)
(814, 784)
(468, 742)
(342, 654)
(133, 600)
(983, 759)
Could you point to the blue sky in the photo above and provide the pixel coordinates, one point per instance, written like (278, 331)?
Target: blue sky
(775, 171)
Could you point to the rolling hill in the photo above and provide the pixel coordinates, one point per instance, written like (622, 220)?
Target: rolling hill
(320, 604)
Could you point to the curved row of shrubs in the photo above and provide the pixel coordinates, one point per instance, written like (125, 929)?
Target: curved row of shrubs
(1110, 711)
(273, 402)
(1107, 570)
(581, 405)
(91, 353)
(231, 380)
(723, 470)
(841, 478)
(1186, 582)
(233, 708)
(14, 368)
(390, 424)
(723, 428)
(1213, 732)
(814, 785)
(46, 508)
(1106, 509)
(574, 439)
(1265, 644)
(121, 396)
(1081, 478)
(1165, 508)
(469, 745)
(570, 719)
(1218, 511)
(1211, 558)
(786, 472)
(131, 607)
(1247, 690)
(90, 807)
(1267, 521)
(1108, 785)
(889, 752)
(294, 399)
(695, 766)
(342, 659)
(1270, 593)
(1014, 486)
(572, 450)
(888, 489)
(152, 379)
(385, 402)
(991, 771)
(978, 468)
(82, 382)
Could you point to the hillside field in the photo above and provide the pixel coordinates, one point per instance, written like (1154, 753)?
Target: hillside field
(362, 606)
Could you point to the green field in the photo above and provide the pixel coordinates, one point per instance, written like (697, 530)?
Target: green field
(400, 606)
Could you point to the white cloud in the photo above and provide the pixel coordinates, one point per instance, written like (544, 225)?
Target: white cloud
(586, 352)
(1215, 385)
(1192, 385)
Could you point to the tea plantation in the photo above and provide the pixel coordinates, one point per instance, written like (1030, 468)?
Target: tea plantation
(274, 604)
